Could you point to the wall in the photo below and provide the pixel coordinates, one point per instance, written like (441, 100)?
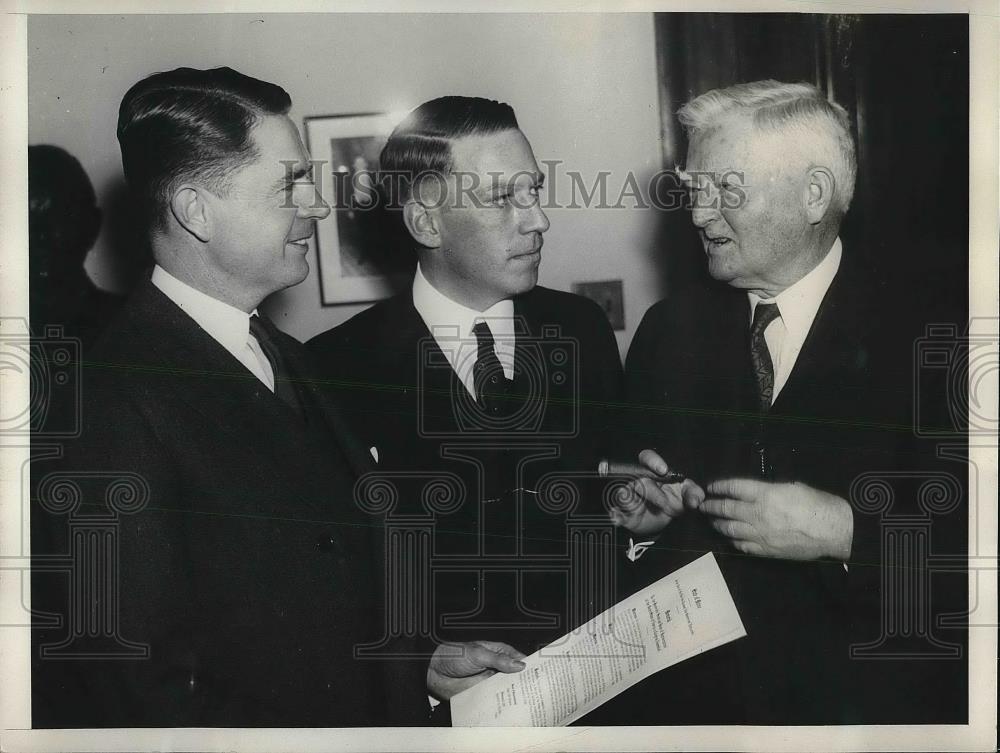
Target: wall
(583, 86)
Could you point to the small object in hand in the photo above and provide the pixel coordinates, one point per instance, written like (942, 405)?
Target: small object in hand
(616, 468)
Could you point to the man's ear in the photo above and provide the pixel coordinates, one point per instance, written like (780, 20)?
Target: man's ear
(190, 208)
(820, 185)
(423, 223)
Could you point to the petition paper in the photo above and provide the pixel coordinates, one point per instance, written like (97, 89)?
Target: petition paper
(679, 616)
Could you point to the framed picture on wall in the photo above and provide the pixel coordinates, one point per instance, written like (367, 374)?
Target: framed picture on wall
(362, 249)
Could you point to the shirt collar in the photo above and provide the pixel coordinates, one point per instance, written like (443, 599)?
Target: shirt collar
(799, 303)
(229, 326)
(444, 316)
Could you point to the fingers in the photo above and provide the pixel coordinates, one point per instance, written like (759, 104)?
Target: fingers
(627, 500)
(660, 496)
(503, 648)
(692, 494)
(747, 489)
(652, 460)
(633, 497)
(734, 529)
(732, 509)
(749, 547)
(495, 655)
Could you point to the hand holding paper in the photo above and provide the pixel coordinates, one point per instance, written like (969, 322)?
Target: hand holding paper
(679, 616)
(454, 667)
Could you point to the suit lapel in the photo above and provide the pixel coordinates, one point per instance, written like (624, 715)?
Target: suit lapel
(203, 375)
(323, 408)
(424, 365)
(833, 339)
(525, 325)
(729, 347)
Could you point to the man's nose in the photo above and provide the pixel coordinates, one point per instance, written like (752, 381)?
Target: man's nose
(704, 205)
(536, 221)
(315, 208)
(702, 215)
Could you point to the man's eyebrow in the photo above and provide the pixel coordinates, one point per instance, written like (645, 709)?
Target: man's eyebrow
(538, 179)
(498, 188)
(301, 171)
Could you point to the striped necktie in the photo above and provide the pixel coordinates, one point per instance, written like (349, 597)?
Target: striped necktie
(763, 368)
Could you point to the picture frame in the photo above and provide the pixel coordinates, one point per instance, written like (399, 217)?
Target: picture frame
(362, 253)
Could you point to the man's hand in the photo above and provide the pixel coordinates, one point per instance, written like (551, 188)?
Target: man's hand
(644, 507)
(457, 666)
(785, 520)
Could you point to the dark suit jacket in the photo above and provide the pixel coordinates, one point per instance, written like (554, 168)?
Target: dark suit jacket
(845, 411)
(402, 396)
(249, 573)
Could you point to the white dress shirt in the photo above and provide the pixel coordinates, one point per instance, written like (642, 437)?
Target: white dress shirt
(451, 325)
(226, 324)
(797, 305)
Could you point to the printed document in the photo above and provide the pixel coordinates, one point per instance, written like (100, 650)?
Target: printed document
(679, 616)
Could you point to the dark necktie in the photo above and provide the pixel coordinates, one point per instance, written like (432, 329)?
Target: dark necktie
(267, 335)
(490, 383)
(763, 315)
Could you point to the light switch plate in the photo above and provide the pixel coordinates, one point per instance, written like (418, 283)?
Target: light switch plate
(608, 295)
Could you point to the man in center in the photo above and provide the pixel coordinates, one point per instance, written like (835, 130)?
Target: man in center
(478, 383)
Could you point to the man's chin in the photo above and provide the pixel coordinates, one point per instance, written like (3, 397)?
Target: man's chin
(526, 284)
(719, 269)
(297, 270)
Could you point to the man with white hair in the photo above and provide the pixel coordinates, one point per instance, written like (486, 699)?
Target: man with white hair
(773, 394)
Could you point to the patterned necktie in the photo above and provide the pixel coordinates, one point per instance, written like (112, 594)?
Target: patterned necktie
(266, 336)
(763, 315)
(490, 383)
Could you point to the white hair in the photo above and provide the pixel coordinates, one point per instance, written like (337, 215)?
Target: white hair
(814, 124)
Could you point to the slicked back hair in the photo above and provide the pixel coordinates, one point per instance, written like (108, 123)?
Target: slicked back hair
(812, 123)
(190, 125)
(420, 144)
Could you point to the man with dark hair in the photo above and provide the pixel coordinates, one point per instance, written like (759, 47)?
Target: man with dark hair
(63, 223)
(242, 578)
(480, 378)
(784, 395)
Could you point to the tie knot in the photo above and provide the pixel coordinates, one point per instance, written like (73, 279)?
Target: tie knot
(258, 329)
(484, 339)
(267, 337)
(763, 315)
